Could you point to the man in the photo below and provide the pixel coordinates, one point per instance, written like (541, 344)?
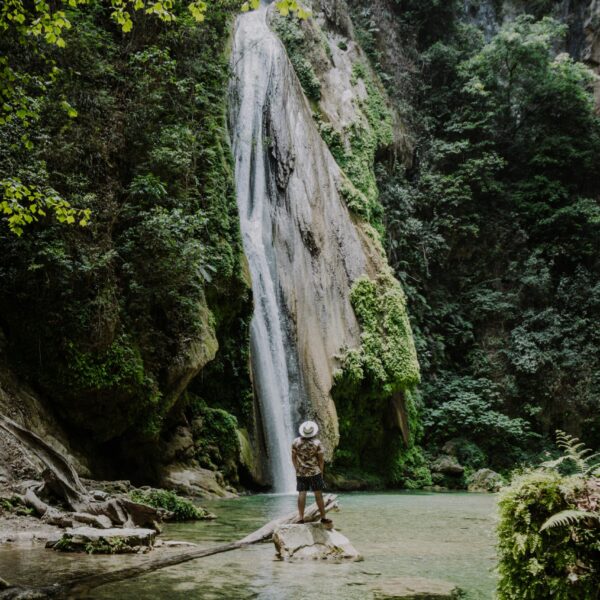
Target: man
(307, 456)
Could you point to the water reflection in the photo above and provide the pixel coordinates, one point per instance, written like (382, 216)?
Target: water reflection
(444, 536)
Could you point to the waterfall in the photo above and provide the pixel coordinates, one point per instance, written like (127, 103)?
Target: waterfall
(304, 248)
(255, 50)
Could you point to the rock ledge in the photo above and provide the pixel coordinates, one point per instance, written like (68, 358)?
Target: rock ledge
(313, 541)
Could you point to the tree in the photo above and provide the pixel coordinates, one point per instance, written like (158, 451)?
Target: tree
(27, 71)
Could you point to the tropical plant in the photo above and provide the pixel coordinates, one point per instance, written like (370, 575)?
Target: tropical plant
(576, 454)
(549, 529)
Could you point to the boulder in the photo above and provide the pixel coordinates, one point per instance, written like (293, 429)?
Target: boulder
(107, 541)
(448, 465)
(485, 480)
(192, 480)
(313, 541)
(416, 588)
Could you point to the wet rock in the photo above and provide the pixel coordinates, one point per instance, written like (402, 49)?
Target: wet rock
(416, 588)
(485, 480)
(313, 541)
(448, 465)
(107, 541)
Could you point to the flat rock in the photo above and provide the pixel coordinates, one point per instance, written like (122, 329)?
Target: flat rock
(416, 588)
(122, 539)
(313, 541)
(194, 481)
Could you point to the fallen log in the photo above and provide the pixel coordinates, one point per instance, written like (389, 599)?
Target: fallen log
(310, 514)
(75, 587)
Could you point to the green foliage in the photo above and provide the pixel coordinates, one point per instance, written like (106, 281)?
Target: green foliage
(569, 517)
(576, 455)
(99, 318)
(549, 534)
(290, 32)
(215, 437)
(491, 234)
(411, 471)
(471, 408)
(386, 357)
(429, 19)
(182, 509)
(384, 364)
(114, 545)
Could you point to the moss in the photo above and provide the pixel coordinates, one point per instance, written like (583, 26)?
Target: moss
(355, 148)
(182, 509)
(410, 470)
(106, 392)
(386, 357)
(14, 505)
(289, 31)
(216, 440)
(384, 364)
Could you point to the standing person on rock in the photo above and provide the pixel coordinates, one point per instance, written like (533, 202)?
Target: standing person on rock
(309, 462)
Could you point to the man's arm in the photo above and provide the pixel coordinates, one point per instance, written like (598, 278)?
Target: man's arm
(321, 457)
(294, 459)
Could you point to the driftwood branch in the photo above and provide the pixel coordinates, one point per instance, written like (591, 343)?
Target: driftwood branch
(82, 584)
(62, 482)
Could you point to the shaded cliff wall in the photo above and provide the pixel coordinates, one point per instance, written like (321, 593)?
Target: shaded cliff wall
(111, 323)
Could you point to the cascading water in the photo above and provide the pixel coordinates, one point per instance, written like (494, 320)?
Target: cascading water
(255, 49)
(304, 248)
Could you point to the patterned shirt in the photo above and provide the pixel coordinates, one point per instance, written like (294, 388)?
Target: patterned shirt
(308, 451)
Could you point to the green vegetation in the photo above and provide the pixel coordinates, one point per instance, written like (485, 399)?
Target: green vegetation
(549, 532)
(493, 233)
(104, 319)
(14, 505)
(114, 545)
(386, 357)
(290, 32)
(355, 148)
(384, 364)
(215, 437)
(182, 509)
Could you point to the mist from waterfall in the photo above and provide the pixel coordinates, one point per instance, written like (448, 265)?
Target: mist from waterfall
(254, 52)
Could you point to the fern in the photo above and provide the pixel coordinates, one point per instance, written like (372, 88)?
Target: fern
(568, 517)
(574, 452)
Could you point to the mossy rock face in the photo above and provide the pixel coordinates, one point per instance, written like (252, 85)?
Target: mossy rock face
(384, 365)
(216, 440)
(111, 321)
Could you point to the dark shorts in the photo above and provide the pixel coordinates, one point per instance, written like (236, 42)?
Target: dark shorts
(314, 483)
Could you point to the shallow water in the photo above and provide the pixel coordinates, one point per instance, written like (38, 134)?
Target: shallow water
(445, 536)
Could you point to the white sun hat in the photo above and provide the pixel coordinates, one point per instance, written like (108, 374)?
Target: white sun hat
(308, 429)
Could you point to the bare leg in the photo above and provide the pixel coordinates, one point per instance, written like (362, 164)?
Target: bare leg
(320, 503)
(301, 504)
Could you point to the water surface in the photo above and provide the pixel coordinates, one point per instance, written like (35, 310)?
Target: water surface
(445, 536)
